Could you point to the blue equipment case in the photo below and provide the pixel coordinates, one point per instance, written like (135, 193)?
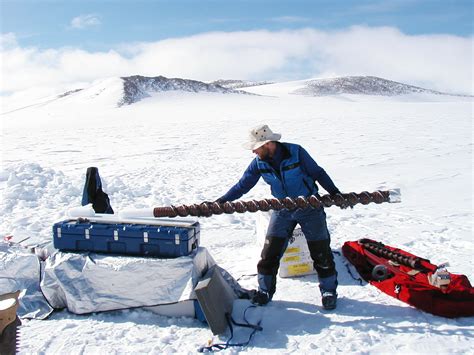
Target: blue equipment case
(148, 238)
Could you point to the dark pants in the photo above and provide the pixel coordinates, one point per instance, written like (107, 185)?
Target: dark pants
(280, 229)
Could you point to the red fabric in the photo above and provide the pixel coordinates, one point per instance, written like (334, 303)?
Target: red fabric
(457, 300)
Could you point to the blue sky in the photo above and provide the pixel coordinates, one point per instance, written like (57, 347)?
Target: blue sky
(48, 24)
(68, 44)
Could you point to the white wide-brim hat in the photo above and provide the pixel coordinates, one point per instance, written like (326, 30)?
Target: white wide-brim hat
(260, 135)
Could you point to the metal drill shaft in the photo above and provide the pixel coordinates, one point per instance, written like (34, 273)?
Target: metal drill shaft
(379, 249)
(207, 209)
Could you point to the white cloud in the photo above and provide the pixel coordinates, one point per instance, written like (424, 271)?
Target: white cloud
(440, 62)
(83, 21)
(7, 40)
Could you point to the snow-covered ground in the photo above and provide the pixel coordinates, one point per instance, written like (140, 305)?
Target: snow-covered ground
(179, 148)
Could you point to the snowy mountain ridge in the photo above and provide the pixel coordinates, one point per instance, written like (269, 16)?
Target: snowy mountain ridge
(125, 91)
(138, 87)
(361, 85)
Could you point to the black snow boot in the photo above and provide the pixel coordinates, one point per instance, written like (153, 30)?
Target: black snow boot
(329, 300)
(260, 298)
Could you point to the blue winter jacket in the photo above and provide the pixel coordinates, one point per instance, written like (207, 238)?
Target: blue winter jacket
(290, 173)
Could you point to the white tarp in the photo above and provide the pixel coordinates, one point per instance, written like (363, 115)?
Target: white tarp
(20, 269)
(89, 282)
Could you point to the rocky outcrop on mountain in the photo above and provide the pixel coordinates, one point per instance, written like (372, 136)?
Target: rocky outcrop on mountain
(359, 85)
(138, 87)
(239, 84)
(70, 92)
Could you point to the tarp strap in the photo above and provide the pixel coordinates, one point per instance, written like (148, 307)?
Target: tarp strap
(230, 321)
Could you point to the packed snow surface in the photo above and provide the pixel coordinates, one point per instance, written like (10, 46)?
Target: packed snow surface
(176, 148)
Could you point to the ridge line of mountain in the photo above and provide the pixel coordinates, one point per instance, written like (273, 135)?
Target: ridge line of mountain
(138, 87)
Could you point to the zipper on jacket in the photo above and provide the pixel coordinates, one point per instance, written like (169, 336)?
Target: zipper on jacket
(282, 179)
(307, 186)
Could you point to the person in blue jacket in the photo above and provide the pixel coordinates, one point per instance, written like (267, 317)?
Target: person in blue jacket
(291, 172)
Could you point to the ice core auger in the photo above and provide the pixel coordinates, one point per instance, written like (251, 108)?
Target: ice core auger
(342, 200)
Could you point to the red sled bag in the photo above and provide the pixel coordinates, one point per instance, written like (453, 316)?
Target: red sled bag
(411, 279)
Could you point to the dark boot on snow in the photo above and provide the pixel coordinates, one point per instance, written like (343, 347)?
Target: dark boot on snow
(329, 300)
(260, 298)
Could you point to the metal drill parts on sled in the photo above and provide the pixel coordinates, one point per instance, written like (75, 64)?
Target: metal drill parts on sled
(342, 200)
(409, 278)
